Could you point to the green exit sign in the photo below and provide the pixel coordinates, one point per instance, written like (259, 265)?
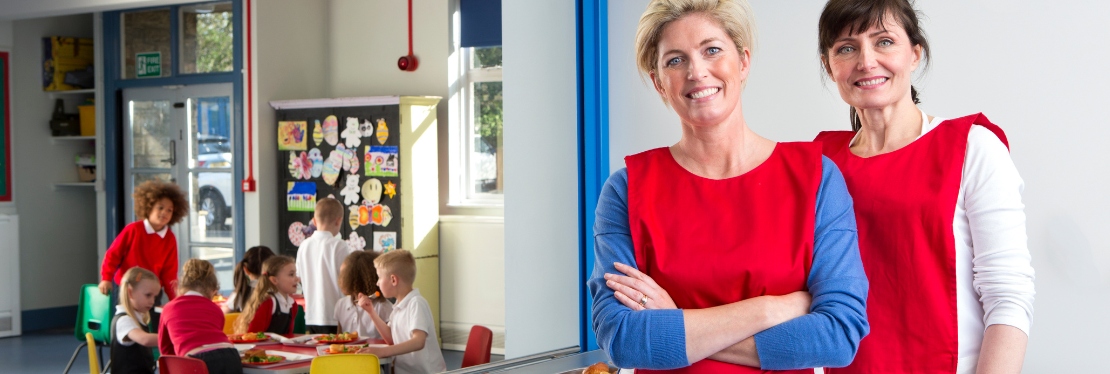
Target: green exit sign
(148, 64)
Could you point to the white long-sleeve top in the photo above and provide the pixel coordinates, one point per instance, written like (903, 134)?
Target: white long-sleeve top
(994, 278)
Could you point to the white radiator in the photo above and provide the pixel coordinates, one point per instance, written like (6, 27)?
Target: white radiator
(10, 317)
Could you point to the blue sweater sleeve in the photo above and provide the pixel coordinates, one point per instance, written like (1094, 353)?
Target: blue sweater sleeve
(829, 335)
(649, 339)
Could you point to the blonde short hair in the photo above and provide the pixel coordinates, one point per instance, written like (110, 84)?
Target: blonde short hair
(398, 262)
(734, 16)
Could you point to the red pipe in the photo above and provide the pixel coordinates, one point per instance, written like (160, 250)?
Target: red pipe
(248, 184)
(410, 27)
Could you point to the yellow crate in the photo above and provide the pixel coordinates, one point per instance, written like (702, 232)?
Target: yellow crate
(88, 119)
(62, 55)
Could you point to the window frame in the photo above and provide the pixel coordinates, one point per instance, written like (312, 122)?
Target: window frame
(471, 77)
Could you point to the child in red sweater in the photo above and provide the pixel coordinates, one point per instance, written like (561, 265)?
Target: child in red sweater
(149, 244)
(192, 325)
(271, 308)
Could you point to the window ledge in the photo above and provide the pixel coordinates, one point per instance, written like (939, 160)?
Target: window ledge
(477, 204)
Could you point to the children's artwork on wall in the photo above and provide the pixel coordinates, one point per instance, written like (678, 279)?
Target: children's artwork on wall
(380, 215)
(372, 191)
(317, 134)
(296, 233)
(300, 197)
(364, 214)
(356, 243)
(366, 128)
(309, 229)
(331, 130)
(332, 167)
(317, 161)
(352, 217)
(385, 241)
(387, 215)
(351, 134)
(390, 189)
(342, 151)
(381, 161)
(296, 165)
(351, 191)
(291, 135)
(383, 131)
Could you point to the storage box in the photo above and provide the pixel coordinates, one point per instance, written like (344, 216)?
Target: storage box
(61, 55)
(86, 168)
(88, 120)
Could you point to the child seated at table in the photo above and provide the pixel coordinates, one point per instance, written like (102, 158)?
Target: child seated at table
(192, 325)
(271, 307)
(410, 333)
(357, 276)
(131, 342)
(246, 278)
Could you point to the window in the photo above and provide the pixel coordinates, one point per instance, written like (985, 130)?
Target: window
(206, 38)
(477, 120)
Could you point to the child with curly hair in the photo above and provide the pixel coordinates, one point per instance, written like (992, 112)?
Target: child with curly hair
(149, 244)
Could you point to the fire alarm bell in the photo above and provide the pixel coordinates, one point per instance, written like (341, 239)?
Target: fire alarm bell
(407, 63)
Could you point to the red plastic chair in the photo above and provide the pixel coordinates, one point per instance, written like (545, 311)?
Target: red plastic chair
(478, 346)
(181, 365)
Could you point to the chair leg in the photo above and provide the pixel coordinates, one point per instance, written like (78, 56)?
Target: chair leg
(74, 357)
(107, 367)
(100, 357)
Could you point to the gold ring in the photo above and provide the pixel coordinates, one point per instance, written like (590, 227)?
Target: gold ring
(643, 301)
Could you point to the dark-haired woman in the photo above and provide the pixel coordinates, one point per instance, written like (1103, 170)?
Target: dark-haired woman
(938, 205)
(246, 278)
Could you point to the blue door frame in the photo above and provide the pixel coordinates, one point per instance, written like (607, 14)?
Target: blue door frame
(593, 142)
(114, 84)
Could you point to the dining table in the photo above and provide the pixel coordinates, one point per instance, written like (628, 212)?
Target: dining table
(303, 367)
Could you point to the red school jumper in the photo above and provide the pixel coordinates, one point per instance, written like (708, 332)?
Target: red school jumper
(134, 247)
(905, 202)
(714, 242)
(188, 322)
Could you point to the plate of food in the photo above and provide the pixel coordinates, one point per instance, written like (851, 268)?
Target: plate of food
(337, 338)
(598, 368)
(247, 338)
(258, 357)
(338, 349)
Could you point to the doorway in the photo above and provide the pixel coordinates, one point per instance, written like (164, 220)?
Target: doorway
(183, 134)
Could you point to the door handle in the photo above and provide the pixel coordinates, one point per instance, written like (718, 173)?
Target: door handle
(173, 153)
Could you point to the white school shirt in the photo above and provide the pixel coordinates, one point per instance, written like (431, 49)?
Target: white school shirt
(318, 261)
(124, 325)
(235, 295)
(994, 278)
(353, 318)
(410, 314)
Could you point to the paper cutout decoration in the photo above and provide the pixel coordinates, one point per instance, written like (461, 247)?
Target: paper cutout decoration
(351, 191)
(390, 189)
(296, 235)
(356, 243)
(306, 165)
(351, 134)
(331, 130)
(387, 215)
(300, 196)
(309, 229)
(297, 165)
(385, 241)
(381, 161)
(383, 131)
(364, 215)
(380, 215)
(366, 128)
(317, 134)
(317, 161)
(332, 167)
(372, 191)
(352, 218)
(342, 150)
(291, 135)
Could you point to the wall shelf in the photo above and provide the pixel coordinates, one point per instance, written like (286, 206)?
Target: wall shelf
(55, 139)
(73, 184)
(54, 94)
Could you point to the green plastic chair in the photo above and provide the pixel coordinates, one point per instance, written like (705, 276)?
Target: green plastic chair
(94, 316)
(298, 323)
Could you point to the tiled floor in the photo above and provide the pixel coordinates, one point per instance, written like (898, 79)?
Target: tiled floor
(48, 351)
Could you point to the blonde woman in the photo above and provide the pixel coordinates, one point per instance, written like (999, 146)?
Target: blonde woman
(707, 251)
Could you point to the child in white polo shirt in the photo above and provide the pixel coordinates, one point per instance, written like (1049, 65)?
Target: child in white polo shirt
(318, 261)
(411, 332)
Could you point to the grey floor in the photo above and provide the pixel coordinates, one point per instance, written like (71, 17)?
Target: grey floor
(48, 351)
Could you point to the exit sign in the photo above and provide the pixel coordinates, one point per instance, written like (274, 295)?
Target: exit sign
(148, 64)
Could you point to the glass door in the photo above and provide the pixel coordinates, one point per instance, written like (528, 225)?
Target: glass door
(182, 134)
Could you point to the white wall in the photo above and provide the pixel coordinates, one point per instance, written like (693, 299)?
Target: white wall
(290, 63)
(1031, 68)
(541, 183)
(472, 278)
(57, 231)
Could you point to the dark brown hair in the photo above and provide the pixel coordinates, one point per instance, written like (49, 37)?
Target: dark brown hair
(265, 288)
(359, 275)
(153, 191)
(252, 262)
(856, 16)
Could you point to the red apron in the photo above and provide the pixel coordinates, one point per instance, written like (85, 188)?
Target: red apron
(905, 202)
(714, 242)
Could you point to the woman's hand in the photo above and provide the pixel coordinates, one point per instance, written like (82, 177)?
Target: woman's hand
(105, 287)
(635, 287)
